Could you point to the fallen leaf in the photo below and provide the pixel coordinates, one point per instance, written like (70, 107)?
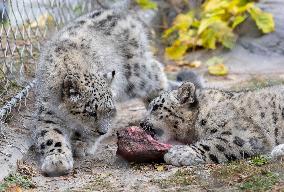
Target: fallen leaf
(14, 189)
(171, 68)
(160, 167)
(192, 64)
(218, 70)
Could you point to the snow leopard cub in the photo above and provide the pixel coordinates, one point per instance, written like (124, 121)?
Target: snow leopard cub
(97, 60)
(215, 126)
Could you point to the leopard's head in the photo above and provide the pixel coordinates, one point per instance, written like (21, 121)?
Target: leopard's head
(88, 98)
(171, 116)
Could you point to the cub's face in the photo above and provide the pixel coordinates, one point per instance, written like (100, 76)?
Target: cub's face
(88, 98)
(170, 116)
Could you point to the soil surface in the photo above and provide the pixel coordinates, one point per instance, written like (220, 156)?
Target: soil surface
(250, 67)
(116, 174)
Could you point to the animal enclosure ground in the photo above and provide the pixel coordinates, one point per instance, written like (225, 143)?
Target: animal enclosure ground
(250, 175)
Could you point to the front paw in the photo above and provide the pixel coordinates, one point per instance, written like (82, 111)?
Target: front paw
(57, 164)
(182, 155)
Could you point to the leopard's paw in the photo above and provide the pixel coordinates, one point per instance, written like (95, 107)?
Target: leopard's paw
(57, 164)
(182, 155)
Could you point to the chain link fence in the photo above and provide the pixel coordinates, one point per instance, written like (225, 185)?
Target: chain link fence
(25, 25)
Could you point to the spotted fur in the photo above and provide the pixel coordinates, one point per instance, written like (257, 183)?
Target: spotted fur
(98, 60)
(215, 126)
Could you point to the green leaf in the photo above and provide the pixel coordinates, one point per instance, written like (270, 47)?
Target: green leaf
(183, 21)
(238, 20)
(146, 4)
(218, 70)
(168, 32)
(209, 39)
(176, 51)
(228, 40)
(205, 23)
(212, 5)
(263, 20)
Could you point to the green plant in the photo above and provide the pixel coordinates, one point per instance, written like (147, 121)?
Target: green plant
(180, 178)
(259, 160)
(213, 24)
(262, 182)
(16, 179)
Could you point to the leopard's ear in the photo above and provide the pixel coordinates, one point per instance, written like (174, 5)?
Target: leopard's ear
(186, 93)
(109, 76)
(71, 88)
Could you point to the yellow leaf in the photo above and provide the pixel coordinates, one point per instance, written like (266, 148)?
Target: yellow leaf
(218, 70)
(183, 21)
(160, 167)
(263, 20)
(176, 51)
(168, 32)
(205, 23)
(209, 39)
(42, 21)
(146, 4)
(193, 64)
(211, 5)
(238, 20)
(217, 12)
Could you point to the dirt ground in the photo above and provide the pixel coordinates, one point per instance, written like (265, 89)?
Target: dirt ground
(17, 156)
(249, 68)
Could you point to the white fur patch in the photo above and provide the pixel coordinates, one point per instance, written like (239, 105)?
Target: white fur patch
(278, 152)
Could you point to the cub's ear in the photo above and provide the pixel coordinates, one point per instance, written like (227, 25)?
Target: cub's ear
(186, 93)
(71, 88)
(109, 76)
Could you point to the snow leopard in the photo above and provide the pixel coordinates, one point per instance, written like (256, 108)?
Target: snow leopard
(207, 125)
(91, 64)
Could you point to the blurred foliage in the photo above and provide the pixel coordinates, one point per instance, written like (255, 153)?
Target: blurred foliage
(213, 24)
(262, 182)
(78, 9)
(146, 4)
(217, 67)
(259, 160)
(15, 182)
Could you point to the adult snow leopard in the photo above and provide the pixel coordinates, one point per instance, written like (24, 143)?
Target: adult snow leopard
(214, 126)
(97, 60)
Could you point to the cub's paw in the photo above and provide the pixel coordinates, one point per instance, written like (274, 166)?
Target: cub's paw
(57, 164)
(278, 152)
(182, 155)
